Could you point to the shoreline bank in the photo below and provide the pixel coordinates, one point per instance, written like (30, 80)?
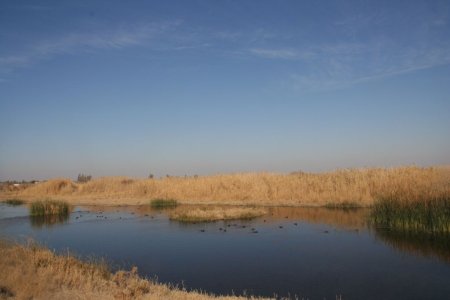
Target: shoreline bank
(354, 187)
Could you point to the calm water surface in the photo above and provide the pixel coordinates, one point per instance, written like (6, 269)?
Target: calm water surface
(313, 253)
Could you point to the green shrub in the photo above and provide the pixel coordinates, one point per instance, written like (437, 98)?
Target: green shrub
(163, 203)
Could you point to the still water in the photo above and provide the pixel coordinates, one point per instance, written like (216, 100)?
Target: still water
(312, 253)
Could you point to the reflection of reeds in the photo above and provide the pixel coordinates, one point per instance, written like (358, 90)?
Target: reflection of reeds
(209, 214)
(14, 202)
(359, 186)
(340, 218)
(48, 220)
(32, 272)
(430, 215)
(49, 207)
(163, 203)
(346, 205)
(417, 242)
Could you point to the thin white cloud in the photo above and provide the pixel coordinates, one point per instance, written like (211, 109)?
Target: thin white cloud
(13, 60)
(339, 71)
(274, 53)
(36, 7)
(75, 43)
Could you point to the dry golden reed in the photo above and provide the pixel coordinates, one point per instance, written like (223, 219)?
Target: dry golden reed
(207, 214)
(357, 186)
(32, 272)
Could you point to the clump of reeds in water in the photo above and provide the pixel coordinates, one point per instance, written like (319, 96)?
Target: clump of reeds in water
(14, 202)
(49, 207)
(207, 214)
(163, 203)
(430, 215)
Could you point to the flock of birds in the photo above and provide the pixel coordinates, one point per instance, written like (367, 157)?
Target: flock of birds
(222, 229)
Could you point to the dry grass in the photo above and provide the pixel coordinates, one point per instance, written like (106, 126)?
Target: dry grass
(31, 272)
(216, 213)
(357, 186)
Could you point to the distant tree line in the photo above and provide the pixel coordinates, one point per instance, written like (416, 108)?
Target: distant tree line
(84, 178)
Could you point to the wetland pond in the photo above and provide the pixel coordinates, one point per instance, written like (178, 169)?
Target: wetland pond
(311, 253)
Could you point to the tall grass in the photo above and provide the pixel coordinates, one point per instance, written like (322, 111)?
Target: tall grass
(49, 207)
(33, 272)
(425, 215)
(359, 186)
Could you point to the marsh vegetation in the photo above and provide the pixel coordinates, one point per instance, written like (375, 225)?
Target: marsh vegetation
(210, 214)
(289, 240)
(163, 203)
(33, 272)
(424, 215)
(49, 208)
(361, 187)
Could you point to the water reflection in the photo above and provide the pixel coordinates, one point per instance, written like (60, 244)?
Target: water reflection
(48, 220)
(417, 242)
(339, 218)
(315, 253)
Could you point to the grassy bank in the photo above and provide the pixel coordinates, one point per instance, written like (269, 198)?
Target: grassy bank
(31, 272)
(217, 213)
(360, 187)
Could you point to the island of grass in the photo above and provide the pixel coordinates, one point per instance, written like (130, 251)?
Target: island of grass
(49, 207)
(217, 213)
(163, 203)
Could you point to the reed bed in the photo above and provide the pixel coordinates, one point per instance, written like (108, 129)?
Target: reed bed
(33, 272)
(163, 203)
(49, 207)
(419, 215)
(211, 214)
(359, 186)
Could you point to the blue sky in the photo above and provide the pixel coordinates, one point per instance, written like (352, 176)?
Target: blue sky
(203, 87)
